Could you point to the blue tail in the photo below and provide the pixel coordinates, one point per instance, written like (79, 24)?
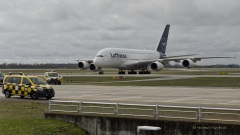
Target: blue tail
(163, 41)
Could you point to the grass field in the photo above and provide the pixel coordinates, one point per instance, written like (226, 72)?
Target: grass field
(198, 82)
(27, 118)
(140, 81)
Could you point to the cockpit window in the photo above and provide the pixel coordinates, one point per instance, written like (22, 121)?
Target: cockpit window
(99, 56)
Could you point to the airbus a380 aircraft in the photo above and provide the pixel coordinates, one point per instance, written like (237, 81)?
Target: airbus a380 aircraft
(135, 59)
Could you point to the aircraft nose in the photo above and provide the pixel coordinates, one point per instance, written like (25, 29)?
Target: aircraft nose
(96, 61)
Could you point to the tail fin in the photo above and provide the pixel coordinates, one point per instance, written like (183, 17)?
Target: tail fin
(163, 41)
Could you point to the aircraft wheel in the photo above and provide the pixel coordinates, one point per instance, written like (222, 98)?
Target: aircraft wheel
(101, 72)
(121, 72)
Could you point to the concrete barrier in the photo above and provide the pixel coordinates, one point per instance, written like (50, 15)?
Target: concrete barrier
(99, 125)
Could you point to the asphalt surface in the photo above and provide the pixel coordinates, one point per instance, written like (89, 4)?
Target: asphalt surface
(180, 96)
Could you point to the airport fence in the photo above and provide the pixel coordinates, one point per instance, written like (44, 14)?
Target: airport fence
(161, 112)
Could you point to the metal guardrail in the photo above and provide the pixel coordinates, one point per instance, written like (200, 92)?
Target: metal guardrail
(145, 111)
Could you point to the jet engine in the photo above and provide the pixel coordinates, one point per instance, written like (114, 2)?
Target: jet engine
(188, 63)
(157, 66)
(93, 67)
(83, 65)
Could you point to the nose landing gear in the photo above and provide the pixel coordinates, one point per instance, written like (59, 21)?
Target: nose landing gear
(100, 71)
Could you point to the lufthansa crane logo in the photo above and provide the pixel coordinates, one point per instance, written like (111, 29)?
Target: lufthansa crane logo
(163, 42)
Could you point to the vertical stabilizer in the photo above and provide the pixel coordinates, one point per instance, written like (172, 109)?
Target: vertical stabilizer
(163, 41)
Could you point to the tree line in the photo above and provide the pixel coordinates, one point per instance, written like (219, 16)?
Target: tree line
(37, 66)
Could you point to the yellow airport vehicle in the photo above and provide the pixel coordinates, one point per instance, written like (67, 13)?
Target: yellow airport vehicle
(24, 85)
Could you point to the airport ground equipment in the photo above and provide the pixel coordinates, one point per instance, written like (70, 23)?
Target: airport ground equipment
(23, 85)
(52, 77)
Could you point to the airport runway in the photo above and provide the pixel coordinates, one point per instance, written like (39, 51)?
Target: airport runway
(182, 96)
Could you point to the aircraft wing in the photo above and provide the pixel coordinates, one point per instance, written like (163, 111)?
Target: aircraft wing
(146, 62)
(177, 56)
(87, 60)
(195, 59)
(165, 60)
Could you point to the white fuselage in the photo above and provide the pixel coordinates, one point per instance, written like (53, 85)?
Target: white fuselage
(119, 57)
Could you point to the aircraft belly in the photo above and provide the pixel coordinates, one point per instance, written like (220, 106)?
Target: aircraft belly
(112, 64)
(136, 67)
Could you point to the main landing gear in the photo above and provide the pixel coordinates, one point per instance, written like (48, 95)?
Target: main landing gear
(132, 72)
(144, 72)
(120, 72)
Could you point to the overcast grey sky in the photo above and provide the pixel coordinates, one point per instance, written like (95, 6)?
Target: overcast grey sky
(62, 31)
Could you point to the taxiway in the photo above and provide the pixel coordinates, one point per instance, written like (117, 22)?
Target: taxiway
(184, 96)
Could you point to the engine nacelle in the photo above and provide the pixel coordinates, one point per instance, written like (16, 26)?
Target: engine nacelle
(157, 66)
(93, 67)
(83, 65)
(188, 63)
